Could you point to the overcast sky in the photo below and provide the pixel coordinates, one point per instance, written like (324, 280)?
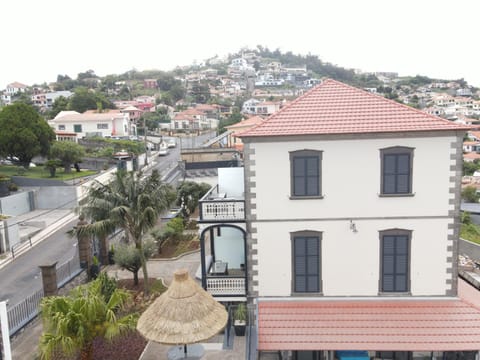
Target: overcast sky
(41, 39)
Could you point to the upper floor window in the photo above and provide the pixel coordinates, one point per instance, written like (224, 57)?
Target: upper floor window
(77, 128)
(305, 170)
(102, 126)
(306, 262)
(396, 164)
(61, 127)
(395, 260)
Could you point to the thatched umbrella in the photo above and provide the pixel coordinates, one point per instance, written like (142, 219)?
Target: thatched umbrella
(184, 314)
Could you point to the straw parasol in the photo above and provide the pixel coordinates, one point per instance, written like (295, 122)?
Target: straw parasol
(184, 314)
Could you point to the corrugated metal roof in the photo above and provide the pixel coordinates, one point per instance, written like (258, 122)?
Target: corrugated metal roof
(388, 325)
(336, 108)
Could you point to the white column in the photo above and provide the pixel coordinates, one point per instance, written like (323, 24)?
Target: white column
(5, 332)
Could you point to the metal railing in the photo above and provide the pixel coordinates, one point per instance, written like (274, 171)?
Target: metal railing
(22, 313)
(68, 270)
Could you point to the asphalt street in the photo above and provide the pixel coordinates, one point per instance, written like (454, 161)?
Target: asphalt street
(22, 277)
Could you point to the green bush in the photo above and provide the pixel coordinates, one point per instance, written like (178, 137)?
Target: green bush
(469, 194)
(12, 187)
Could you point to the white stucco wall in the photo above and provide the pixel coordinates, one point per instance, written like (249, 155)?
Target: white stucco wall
(351, 261)
(351, 186)
(351, 179)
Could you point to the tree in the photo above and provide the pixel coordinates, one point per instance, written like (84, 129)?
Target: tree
(67, 152)
(71, 323)
(469, 194)
(24, 133)
(60, 104)
(131, 202)
(189, 193)
(128, 257)
(84, 99)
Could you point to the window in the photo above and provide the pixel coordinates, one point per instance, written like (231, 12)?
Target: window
(305, 169)
(306, 262)
(61, 127)
(102, 126)
(77, 128)
(396, 171)
(395, 260)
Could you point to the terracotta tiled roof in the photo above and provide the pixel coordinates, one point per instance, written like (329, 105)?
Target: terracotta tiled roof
(395, 325)
(336, 108)
(254, 120)
(471, 156)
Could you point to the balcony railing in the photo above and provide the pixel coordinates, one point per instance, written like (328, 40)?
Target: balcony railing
(226, 285)
(215, 206)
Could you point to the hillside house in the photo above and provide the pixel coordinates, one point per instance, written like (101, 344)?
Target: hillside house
(350, 244)
(91, 123)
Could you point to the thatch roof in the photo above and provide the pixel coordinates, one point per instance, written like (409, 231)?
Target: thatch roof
(184, 314)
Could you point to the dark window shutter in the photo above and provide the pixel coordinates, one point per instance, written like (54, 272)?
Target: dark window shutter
(395, 263)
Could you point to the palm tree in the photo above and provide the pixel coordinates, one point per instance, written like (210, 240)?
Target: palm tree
(131, 202)
(71, 323)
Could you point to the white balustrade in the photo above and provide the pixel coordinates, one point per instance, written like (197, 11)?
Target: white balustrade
(223, 210)
(226, 285)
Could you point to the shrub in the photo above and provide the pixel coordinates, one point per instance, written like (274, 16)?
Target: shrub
(469, 194)
(12, 187)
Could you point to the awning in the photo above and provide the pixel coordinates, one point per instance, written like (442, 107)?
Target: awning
(382, 325)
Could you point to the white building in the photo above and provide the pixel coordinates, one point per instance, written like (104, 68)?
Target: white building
(351, 244)
(15, 88)
(92, 123)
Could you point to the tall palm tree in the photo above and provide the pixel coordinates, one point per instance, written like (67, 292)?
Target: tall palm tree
(71, 323)
(131, 202)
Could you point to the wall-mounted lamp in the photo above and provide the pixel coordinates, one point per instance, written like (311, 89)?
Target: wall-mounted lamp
(353, 227)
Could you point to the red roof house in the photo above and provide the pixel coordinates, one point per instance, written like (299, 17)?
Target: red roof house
(352, 207)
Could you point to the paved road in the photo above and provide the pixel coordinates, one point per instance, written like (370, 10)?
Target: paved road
(21, 278)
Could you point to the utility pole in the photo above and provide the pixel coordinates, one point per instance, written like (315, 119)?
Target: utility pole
(145, 140)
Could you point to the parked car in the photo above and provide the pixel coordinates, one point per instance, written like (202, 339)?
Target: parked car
(163, 150)
(172, 143)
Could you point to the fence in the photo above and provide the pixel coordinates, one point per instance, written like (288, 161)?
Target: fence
(22, 313)
(68, 270)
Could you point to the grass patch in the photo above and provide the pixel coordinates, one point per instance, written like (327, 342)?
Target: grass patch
(186, 246)
(470, 232)
(39, 172)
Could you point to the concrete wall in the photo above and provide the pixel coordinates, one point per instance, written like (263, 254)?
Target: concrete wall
(16, 204)
(61, 197)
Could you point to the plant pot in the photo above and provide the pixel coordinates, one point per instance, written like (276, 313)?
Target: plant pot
(239, 327)
(94, 271)
(110, 257)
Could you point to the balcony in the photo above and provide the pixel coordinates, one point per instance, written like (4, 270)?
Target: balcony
(217, 206)
(226, 285)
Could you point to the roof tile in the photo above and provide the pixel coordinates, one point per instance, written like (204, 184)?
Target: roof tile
(393, 325)
(336, 108)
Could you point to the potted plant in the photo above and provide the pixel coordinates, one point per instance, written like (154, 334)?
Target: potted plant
(111, 253)
(240, 319)
(94, 268)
